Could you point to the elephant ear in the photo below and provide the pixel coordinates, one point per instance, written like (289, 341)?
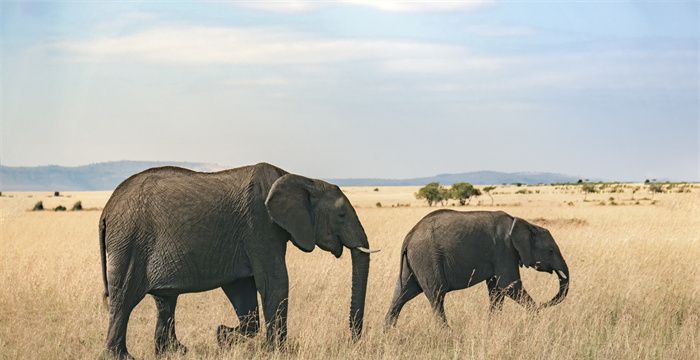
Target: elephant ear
(521, 238)
(290, 206)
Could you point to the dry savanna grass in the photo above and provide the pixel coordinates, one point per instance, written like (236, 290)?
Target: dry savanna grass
(634, 289)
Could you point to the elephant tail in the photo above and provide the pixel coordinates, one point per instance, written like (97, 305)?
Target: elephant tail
(405, 268)
(103, 257)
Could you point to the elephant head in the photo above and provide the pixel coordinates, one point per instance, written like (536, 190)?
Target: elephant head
(537, 249)
(315, 212)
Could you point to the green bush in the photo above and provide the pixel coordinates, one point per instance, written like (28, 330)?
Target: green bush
(56, 193)
(463, 191)
(77, 206)
(431, 193)
(38, 206)
(59, 208)
(378, 204)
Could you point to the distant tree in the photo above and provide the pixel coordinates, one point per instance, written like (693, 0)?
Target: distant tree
(430, 192)
(464, 191)
(376, 189)
(580, 181)
(488, 190)
(445, 195)
(56, 193)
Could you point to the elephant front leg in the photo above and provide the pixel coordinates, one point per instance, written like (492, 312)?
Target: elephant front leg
(274, 293)
(516, 292)
(496, 295)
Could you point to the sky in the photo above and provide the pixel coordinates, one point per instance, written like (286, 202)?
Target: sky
(356, 88)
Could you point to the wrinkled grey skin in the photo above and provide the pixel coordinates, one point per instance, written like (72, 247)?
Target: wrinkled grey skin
(451, 250)
(168, 231)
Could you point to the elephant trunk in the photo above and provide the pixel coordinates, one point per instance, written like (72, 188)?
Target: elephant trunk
(564, 279)
(359, 250)
(360, 271)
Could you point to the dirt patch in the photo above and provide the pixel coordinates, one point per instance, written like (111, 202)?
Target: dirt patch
(559, 222)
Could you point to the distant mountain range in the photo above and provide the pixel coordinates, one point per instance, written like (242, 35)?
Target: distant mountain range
(107, 175)
(100, 176)
(474, 177)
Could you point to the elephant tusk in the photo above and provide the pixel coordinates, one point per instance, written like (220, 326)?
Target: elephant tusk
(561, 274)
(367, 251)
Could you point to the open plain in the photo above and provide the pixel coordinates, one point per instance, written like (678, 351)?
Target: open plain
(634, 262)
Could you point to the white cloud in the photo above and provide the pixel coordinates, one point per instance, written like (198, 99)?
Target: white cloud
(416, 6)
(269, 47)
(258, 82)
(381, 5)
(281, 6)
(500, 31)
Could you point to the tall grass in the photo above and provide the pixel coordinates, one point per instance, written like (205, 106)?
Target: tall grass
(634, 289)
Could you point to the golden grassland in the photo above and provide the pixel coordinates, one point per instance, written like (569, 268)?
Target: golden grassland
(635, 272)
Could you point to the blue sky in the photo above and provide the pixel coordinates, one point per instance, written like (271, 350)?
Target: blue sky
(356, 88)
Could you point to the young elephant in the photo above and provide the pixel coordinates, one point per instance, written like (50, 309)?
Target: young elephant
(451, 250)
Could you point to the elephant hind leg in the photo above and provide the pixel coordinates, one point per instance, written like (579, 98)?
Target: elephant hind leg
(165, 338)
(403, 292)
(125, 292)
(437, 302)
(435, 287)
(244, 298)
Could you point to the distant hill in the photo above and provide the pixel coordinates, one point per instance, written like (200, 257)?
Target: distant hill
(100, 176)
(474, 177)
(107, 175)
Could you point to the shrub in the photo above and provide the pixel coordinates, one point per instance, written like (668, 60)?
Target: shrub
(523, 191)
(56, 193)
(463, 191)
(77, 206)
(588, 189)
(430, 192)
(38, 206)
(378, 204)
(656, 188)
(59, 208)
(376, 189)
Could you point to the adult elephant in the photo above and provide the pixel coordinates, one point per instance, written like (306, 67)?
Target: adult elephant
(451, 250)
(168, 231)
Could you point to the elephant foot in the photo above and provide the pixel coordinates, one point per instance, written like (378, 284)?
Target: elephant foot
(116, 354)
(173, 347)
(227, 336)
